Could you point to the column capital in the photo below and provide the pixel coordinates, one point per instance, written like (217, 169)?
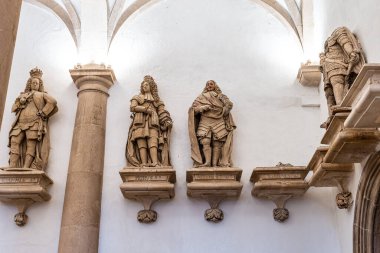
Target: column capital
(93, 77)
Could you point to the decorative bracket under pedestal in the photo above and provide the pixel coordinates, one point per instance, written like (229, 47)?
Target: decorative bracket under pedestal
(279, 184)
(214, 184)
(331, 175)
(23, 187)
(148, 185)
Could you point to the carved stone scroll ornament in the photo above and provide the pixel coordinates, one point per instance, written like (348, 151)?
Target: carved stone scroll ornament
(25, 181)
(149, 175)
(211, 133)
(340, 64)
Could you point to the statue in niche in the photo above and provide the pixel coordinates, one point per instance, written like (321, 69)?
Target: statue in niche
(149, 134)
(340, 64)
(211, 128)
(29, 136)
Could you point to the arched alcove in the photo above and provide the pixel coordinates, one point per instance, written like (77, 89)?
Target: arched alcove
(367, 209)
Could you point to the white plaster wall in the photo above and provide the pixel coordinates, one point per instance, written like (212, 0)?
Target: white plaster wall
(254, 59)
(43, 41)
(362, 18)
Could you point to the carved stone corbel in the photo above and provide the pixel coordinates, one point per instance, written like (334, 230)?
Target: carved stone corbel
(23, 187)
(148, 185)
(279, 184)
(331, 175)
(214, 185)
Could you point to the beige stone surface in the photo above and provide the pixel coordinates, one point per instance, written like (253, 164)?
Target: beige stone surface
(279, 184)
(309, 75)
(211, 128)
(149, 133)
(368, 75)
(341, 62)
(353, 145)
(335, 124)
(9, 17)
(331, 175)
(148, 185)
(366, 113)
(82, 205)
(214, 185)
(29, 137)
(23, 187)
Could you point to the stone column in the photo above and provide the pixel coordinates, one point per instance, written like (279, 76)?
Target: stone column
(9, 17)
(82, 205)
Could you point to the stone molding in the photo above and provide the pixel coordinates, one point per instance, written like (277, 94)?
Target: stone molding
(93, 77)
(309, 75)
(214, 184)
(279, 184)
(23, 187)
(148, 185)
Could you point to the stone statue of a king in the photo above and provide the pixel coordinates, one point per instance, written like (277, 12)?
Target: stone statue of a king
(29, 135)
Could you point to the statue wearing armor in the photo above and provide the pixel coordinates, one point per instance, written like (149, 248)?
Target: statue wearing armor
(210, 128)
(149, 133)
(29, 136)
(340, 63)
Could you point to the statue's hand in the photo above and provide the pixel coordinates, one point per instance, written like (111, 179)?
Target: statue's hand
(22, 100)
(205, 108)
(149, 111)
(166, 125)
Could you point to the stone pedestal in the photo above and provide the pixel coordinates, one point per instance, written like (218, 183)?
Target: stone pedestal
(148, 185)
(82, 205)
(279, 184)
(331, 175)
(309, 75)
(366, 112)
(22, 187)
(214, 184)
(335, 124)
(353, 145)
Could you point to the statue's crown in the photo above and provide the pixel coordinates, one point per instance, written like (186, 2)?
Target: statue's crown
(36, 72)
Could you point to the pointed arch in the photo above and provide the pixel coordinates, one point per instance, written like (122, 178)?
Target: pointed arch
(367, 209)
(70, 18)
(292, 19)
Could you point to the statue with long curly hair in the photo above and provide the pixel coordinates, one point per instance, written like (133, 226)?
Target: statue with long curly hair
(149, 133)
(29, 135)
(211, 128)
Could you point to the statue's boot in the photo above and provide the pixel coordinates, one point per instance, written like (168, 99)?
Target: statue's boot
(153, 156)
(28, 161)
(207, 154)
(143, 156)
(13, 160)
(215, 156)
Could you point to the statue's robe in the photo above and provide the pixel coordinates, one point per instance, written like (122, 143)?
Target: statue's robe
(218, 106)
